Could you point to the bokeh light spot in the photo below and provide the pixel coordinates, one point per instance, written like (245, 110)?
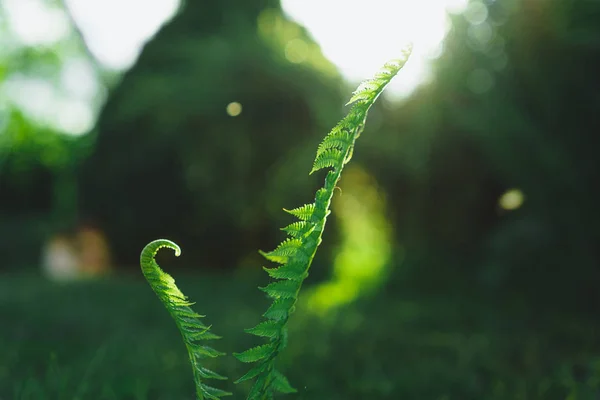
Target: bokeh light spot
(35, 22)
(75, 117)
(476, 13)
(512, 199)
(234, 109)
(479, 36)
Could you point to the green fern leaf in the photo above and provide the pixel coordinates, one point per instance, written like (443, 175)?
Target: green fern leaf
(274, 258)
(304, 213)
(291, 270)
(338, 138)
(365, 91)
(369, 90)
(204, 351)
(328, 158)
(258, 369)
(208, 374)
(213, 393)
(287, 249)
(281, 383)
(256, 353)
(282, 289)
(260, 389)
(321, 196)
(192, 330)
(280, 309)
(270, 329)
(297, 229)
(296, 253)
(201, 335)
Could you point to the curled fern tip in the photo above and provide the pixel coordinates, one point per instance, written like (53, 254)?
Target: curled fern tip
(151, 249)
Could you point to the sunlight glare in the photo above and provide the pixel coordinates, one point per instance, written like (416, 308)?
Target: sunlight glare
(74, 117)
(360, 38)
(45, 104)
(78, 79)
(362, 260)
(116, 30)
(36, 23)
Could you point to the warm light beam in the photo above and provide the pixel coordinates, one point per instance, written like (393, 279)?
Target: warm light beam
(359, 37)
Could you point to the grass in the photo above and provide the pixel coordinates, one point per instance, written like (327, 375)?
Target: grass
(113, 340)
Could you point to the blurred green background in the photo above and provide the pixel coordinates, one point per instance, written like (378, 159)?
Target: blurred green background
(461, 260)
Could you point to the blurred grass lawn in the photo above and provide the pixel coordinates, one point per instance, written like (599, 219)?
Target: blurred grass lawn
(113, 340)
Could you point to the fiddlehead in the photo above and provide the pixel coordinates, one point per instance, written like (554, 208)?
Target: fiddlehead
(193, 331)
(295, 254)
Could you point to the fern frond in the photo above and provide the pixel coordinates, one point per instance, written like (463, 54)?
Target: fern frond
(297, 252)
(192, 330)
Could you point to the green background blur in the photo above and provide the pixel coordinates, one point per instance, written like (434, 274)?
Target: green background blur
(427, 285)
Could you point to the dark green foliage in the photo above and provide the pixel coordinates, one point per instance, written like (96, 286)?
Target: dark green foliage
(193, 331)
(297, 252)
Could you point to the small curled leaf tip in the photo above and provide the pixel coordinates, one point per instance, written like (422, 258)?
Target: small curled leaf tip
(405, 53)
(152, 248)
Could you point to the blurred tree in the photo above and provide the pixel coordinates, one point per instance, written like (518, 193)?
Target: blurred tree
(170, 162)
